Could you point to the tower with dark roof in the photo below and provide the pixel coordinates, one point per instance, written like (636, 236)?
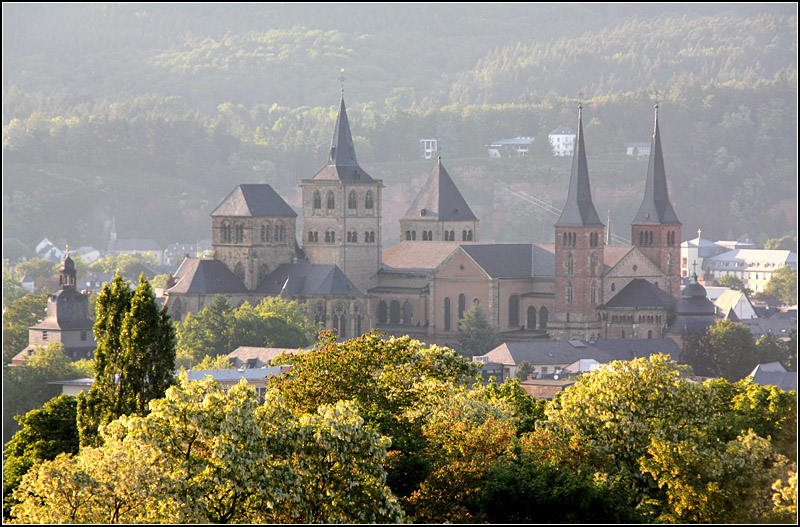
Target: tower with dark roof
(342, 211)
(656, 230)
(67, 320)
(439, 212)
(579, 243)
(253, 232)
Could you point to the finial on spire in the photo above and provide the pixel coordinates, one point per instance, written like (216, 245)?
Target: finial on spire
(342, 78)
(698, 233)
(580, 103)
(67, 249)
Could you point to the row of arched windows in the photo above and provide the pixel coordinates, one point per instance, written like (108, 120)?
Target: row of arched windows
(352, 200)
(394, 314)
(330, 237)
(645, 238)
(449, 236)
(235, 233)
(569, 239)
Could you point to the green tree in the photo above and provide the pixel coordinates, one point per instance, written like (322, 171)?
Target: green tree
(37, 268)
(45, 433)
(726, 350)
(476, 335)
(11, 288)
(783, 285)
(19, 315)
(784, 243)
(524, 369)
(731, 282)
(209, 455)
(112, 263)
(207, 332)
(25, 387)
(134, 360)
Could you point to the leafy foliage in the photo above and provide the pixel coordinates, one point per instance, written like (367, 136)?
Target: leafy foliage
(219, 329)
(783, 285)
(208, 455)
(45, 433)
(134, 360)
(19, 315)
(476, 335)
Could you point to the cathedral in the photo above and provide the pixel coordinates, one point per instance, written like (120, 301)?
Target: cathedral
(579, 287)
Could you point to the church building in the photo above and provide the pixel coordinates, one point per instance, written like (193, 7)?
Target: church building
(576, 288)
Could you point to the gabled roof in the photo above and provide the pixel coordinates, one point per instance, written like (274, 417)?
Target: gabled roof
(568, 352)
(544, 259)
(418, 255)
(579, 210)
(342, 163)
(640, 294)
(254, 200)
(503, 260)
(773, 374)
(205, 276)
(563, 130)
(307, 279)
(440, 199)
(656, 207)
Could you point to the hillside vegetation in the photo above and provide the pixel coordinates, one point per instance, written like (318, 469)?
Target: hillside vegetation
(112, 110)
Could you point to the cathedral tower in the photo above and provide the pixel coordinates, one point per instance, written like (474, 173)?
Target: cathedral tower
(342, 212)
(439, 212)
(579, 255)
(656, 230)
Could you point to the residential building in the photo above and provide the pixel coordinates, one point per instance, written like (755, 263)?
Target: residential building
(562, 141)
(637, 149)
(514, 147)
(429, 148)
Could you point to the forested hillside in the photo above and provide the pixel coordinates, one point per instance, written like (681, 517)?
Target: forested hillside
(115, 110)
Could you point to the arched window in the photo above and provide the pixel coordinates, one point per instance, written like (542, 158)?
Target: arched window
(357, 320)
(352, 200)
(239, 233)
(414, 235)
(408, 235)
(531, 322)
(447, 314)
(613, 287)
(280, 232)
(349, 237)
(649, 333)
(592, 264)
(368, 200)
(408, 312)
(382, 311)
(469, 236)
(513, 310)
(331, 201)
(430, 235)
(335, 321)
(263, 271)
(593, 293)
(317, 200)
(311, 236)
(239, 271)
(544, 313)
(565, 240)
(463, 235)
(569, 264)
(569, 292)
(394, 312)
(462, 305)
(424, 236)
(355, 237)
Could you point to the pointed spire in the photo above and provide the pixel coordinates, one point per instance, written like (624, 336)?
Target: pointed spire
(656, 207)
(579, 210)
(342, 151)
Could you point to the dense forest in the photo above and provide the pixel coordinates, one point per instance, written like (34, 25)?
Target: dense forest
(149, 114)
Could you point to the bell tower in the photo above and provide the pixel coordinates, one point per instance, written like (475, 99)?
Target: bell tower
(656, 230)
(579, 248)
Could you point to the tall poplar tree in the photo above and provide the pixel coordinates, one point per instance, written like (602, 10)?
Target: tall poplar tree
(134, 360)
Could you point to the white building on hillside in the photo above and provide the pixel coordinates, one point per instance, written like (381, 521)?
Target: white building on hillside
(562, 140)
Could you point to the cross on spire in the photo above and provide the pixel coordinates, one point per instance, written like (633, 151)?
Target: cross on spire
(342, 78)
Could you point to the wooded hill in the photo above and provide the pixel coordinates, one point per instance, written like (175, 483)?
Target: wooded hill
(115, 110)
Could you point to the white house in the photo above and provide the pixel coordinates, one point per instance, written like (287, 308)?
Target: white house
(637, 149)
(754, 267)
(429, 147)
(562, 140)
(518, 146)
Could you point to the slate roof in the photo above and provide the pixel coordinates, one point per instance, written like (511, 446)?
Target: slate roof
(567, 352)
(205, 276)
(656, 207)
(579, 210)
(303, 278)
(254, 200)
(503, 260)
(440, 199)
(342, 163)
(544, 259)
(774, 374)
(640, 294)
(563, 130)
